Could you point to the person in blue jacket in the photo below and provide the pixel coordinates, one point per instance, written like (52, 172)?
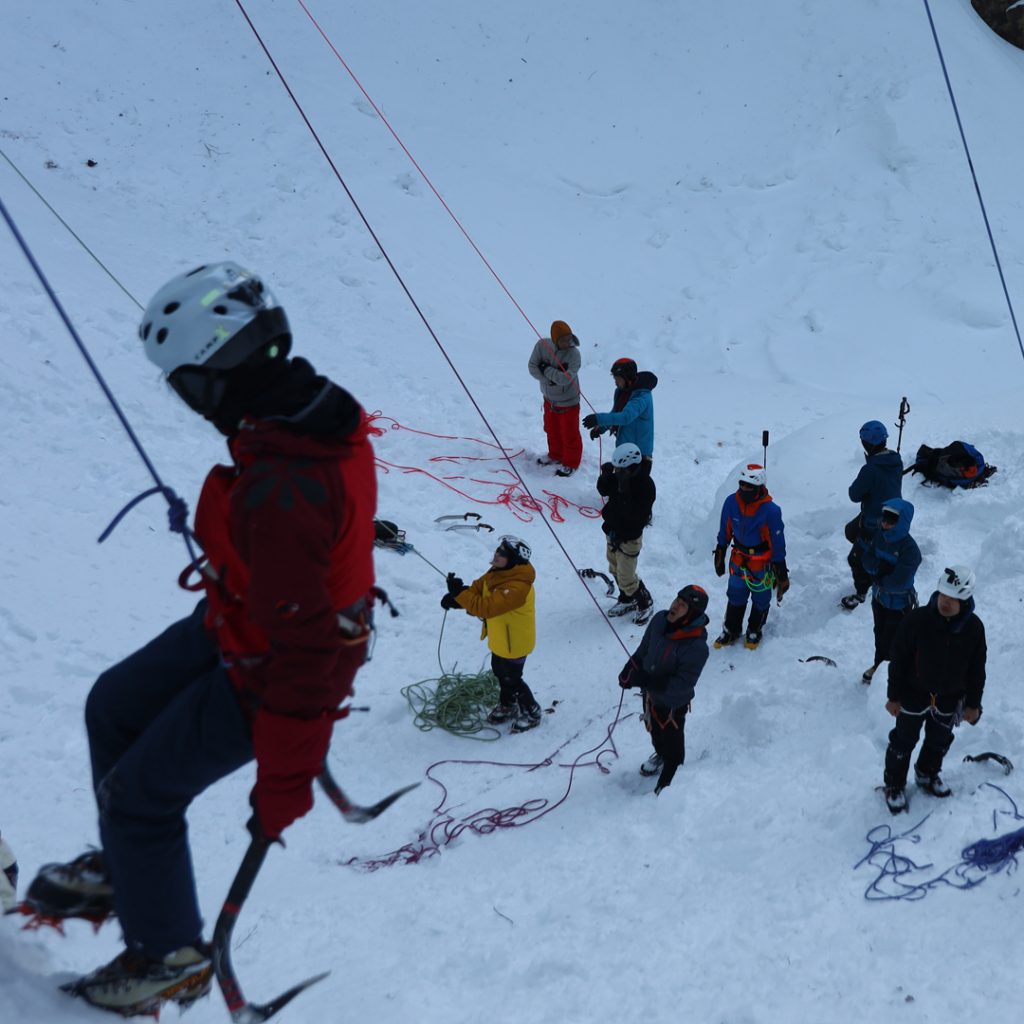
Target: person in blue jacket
(891, 561)
(632, 417)
(666, 667)
(752, 523)
(880, 478)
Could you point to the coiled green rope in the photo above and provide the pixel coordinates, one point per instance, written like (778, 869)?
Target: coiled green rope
(458, 702)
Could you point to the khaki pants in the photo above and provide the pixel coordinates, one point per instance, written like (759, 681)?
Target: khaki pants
(622, 560)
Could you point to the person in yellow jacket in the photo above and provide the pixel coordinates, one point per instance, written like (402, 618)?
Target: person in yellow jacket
(504, 598)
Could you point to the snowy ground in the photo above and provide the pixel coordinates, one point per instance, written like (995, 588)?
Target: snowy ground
(767, 204)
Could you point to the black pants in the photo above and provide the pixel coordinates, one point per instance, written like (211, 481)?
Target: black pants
(886, 621)
(511, 687)
(667, 727)
(938, 738)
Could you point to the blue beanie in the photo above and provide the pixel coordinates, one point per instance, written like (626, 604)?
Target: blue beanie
(873, 432)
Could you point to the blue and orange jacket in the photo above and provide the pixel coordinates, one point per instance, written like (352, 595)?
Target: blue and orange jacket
(755, 530)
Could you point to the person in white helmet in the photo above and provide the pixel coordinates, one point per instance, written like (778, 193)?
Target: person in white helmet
(752, 523)
(936, 675)
(261, 667)
(504, 599)
(629, 492)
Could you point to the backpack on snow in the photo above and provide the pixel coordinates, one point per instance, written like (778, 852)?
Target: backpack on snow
(957, 465)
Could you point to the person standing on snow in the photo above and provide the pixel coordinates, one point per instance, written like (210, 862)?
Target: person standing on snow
(752, 523)
(555, 363)
(891, 562)
(666, 667)
(630, 492)
(631, 420)
(504, 599)
(936, 674)
(260, 668)
(880, 478)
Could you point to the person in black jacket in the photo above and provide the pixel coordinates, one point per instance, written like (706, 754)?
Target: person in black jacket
(880, 478)
(936, 675)
(666, 667)
(626, 483)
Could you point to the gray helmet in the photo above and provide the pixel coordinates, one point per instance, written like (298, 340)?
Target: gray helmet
(216, 316)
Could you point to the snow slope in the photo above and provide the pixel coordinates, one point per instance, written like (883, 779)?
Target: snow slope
(768, 204)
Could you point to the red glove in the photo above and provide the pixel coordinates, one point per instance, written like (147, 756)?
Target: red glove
(290, 754)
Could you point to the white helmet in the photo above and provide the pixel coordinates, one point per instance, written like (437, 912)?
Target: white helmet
(514, 548)
(956, 581)
(626, 455)
(753, 473)
(216, 316)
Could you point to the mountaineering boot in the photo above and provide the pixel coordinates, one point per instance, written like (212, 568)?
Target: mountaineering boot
(851, 601)
(133, 983)
(564, 471)
(869, 674)
(652, 766)
(932, 784)
(546, 460)
(644, 604)
(733, 625)
(624, 604)
(79, 888)
(896, 799)
(503, 713)
(529, 718)
(754, 626)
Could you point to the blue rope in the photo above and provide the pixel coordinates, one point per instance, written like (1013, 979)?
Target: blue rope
(897, 871)
(178, 511)
(974, 176)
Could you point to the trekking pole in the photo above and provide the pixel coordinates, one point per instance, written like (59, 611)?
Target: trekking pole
(904, 409)
(764, 445)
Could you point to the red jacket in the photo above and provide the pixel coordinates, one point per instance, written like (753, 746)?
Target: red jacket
(288, 531)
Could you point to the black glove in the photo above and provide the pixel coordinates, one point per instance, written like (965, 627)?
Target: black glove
(626, 675)
(781, 579)
(543, 366)
(449, 602)
(455, 585)
(595, 433)
(590, 420)
(719, 560)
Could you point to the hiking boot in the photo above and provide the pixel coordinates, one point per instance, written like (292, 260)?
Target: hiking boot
(624, 605)
(752, 639)
(851, 601)
(725, 639)
(133, 983)
(546, 460)
(932, 784)
(896, 799)
(529, 718)
(502, 713)
(652, 766)
(565, 471)
(79, 888)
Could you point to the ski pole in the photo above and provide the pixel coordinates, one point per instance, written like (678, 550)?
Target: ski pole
(764, 445)
(904, 409)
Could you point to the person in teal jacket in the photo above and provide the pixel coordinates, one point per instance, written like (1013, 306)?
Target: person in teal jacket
(632, 417)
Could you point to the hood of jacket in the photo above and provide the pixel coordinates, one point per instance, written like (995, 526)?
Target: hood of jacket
(902, 528)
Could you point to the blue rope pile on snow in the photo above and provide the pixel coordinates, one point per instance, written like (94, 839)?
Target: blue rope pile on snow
(977, 862)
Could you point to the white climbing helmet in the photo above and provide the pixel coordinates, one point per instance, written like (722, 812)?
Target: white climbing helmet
(956, 581)
(517, 549)
(753, 473)
(627, 454)
(217, 316)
